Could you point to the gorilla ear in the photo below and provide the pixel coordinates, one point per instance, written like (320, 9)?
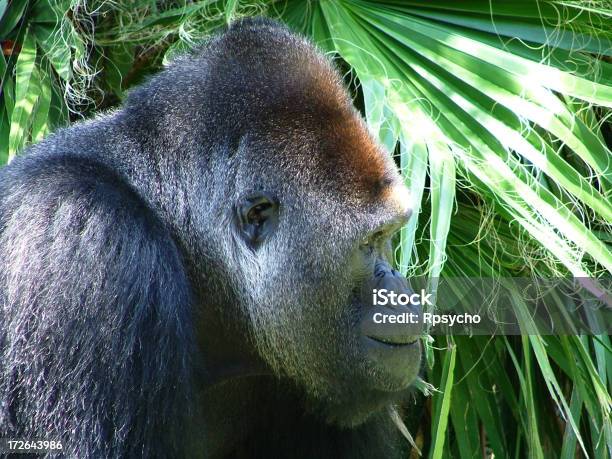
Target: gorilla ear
(257, 218)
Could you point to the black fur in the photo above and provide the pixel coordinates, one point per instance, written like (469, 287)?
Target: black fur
(135, 321)
(96, 323)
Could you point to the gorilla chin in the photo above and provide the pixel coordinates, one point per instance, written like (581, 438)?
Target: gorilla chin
(383, 380)
(394, 366)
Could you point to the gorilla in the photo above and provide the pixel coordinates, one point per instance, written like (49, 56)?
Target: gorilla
(191, 274)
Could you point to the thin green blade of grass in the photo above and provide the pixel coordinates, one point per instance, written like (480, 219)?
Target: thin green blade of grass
(56, 49)
(568, 448)
(413, 164)
(5, 128)
(524, 373)
(11, 17)
(381, 122)
(588, 383)
(554, 389)
(3, 5)
(442, 401)
(5, 110)
(442, 195)
(27, 91)
(476, 381)
(604, 400)
(8, 88)
(40, 120)
(464, 420)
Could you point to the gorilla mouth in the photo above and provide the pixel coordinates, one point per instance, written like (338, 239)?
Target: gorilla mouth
(389, 334)
(385, 323)
(395, 341)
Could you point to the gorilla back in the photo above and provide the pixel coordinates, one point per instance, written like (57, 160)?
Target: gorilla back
(189, 275)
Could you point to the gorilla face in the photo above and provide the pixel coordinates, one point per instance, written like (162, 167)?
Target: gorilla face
(292, 205)
(313, 245)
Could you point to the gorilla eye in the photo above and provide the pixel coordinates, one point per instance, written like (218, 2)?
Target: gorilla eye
(256, 213)
(257, 218)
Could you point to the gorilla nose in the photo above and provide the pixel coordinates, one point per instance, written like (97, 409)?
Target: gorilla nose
(392, 313)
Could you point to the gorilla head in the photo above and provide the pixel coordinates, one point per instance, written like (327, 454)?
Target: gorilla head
(295, 203)
(228, 223)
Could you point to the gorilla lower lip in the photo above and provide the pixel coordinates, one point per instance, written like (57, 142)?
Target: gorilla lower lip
(394, 341)
(396, 364)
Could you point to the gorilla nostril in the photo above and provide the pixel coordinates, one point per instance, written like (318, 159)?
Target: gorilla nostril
(379, 271)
